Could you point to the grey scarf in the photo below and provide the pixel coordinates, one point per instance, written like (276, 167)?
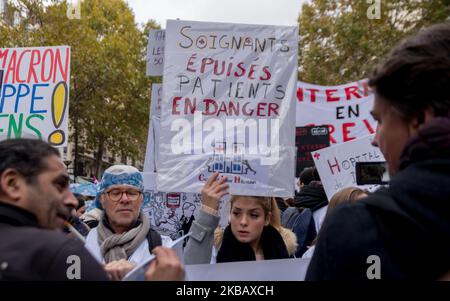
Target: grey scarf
(121, 246)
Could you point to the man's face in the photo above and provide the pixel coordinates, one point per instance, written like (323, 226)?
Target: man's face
(392, 133)
(48, 196)
(121, 205)
(71, 203)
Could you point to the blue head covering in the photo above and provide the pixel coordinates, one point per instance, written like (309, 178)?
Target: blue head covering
(119, 175)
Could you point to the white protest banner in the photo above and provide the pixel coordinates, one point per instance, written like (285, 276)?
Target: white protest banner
(228, 97)
(149, 179)
(151, 154)
(261, 270)
(155, 53)
(336, 164)
(345, 109)
(34, 93)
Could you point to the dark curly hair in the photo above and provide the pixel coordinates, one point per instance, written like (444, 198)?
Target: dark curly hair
(26, 156)
(415, 76)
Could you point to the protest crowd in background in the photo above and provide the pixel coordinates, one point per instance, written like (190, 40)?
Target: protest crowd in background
(249, 173)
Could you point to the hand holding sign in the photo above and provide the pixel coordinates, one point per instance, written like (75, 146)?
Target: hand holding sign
(117, 269)
(166, 266)
(214, 190)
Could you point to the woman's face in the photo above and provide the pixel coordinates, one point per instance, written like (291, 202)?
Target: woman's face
(247, 220)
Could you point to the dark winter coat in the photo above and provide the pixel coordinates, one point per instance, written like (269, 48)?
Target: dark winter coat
(28, 252)
(405, 228)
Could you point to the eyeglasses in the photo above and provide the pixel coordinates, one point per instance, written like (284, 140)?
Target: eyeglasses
(116, 195)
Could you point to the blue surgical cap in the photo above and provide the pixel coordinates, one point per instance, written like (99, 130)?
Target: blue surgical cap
(119, 175)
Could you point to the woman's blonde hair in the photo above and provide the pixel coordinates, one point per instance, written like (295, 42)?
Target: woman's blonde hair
(349, 194)
(268, 204)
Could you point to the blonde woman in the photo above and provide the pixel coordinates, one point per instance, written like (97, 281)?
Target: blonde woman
(254, 231)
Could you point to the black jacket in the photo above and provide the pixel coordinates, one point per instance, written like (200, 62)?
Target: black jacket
(28, 252)
(406, 225)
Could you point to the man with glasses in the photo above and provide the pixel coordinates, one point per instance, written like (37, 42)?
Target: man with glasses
(123, 237)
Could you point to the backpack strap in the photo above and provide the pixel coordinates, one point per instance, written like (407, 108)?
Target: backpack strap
(305, 229)
(154, 240)
(301, 222)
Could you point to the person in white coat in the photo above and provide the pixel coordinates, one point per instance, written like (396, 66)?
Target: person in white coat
(121, 239)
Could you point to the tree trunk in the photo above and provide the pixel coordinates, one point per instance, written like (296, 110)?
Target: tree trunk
(98, 157)
(123, 158)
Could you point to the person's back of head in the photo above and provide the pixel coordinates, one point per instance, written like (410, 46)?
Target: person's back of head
(313, 195)
(306, 176)
(348, 194)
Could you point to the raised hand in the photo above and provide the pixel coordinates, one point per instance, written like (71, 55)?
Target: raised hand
(214, 190)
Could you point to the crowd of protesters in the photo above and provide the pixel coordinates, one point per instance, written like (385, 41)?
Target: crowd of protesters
(406, 224)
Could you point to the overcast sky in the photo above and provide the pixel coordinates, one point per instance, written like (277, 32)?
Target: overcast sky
(269, 12)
